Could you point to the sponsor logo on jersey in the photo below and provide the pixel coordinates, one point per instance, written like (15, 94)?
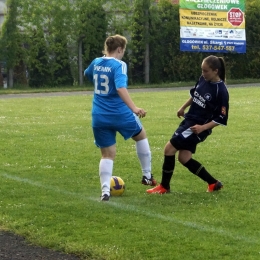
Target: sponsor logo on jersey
(103, 69)
(196, 94)
(207, 97)
(199, 100)
(223, 111)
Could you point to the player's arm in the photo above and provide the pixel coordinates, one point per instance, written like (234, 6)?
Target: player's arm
(89, 72)
(123, 93)
(181, 110)
(196, 129)
(221, 115)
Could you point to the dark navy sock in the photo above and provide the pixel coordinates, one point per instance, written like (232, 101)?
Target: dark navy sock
(199, 170)
(167, 170)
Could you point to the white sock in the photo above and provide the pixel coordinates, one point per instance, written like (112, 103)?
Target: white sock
(144, 155)
(105, 174)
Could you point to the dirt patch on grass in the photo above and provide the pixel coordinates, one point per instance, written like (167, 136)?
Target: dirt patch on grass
(13, 247)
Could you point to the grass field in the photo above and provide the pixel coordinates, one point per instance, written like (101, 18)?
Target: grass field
(50, 191)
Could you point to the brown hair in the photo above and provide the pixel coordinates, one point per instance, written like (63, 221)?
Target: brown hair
(113, 42)
(218, 63)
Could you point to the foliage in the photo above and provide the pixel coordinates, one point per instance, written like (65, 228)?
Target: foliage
(49, 25)
(62, 71)
(93, 29)
(59, 56)
(140, 36)
(39, 73)
(247, 65)
(119, 16)
(43, 37)
(251, 61)
(11, 40)
(163, 38)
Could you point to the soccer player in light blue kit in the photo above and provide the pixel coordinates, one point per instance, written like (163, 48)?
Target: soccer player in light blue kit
(114, 111)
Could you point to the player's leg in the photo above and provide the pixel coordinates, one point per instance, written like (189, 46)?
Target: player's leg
(105, 139)
(106, 169)
(185, 158)
(167, 170)
(168, 165)
(144, 155)
(132, 128)
(170, 149)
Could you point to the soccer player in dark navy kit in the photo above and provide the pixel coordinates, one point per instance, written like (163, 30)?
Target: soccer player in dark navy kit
(114, 111)
(208, 107)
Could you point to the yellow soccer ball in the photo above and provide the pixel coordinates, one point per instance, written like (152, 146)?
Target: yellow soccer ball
(117, 186)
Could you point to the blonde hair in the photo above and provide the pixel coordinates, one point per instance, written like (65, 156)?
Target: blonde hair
(113, 42)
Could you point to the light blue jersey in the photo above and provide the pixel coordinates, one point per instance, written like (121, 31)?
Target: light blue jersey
(109, 112)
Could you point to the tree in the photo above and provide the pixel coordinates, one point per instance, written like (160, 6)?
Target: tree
(39, 73)
(251, 64)
(56, 40)
(62, 71)
(92, 32)
(140, 37)
(57, 37)
(11, 40)
(48, 32)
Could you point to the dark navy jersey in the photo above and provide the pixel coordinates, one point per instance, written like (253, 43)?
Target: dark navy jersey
(210, 102)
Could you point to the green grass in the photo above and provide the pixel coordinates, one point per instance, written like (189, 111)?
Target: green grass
(50, 188)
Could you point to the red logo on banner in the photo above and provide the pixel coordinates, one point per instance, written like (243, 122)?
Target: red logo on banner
(235, 16)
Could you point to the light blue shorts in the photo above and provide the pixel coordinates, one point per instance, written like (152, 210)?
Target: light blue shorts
(105, 135)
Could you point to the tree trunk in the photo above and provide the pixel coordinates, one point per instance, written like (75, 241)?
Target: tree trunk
(147, 50)
(147, 64)
(11, 78)
(80, 63)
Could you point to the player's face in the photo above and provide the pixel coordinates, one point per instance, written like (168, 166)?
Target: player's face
(121, 52)
(208, 73)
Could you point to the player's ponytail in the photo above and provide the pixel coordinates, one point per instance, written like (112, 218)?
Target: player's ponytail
(222, 69)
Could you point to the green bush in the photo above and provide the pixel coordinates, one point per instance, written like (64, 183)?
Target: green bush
(53, 41)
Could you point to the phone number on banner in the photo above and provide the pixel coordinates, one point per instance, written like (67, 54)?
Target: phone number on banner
(204, 46)
(216, 48)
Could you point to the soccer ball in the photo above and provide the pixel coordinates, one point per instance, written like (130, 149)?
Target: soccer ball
(117, 186)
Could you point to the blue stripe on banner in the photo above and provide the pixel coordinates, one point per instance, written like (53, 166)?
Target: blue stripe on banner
(206, 45)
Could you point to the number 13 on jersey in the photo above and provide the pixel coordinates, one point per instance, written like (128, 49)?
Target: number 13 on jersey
(101, 84)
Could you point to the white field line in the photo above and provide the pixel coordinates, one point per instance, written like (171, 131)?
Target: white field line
(133, 208)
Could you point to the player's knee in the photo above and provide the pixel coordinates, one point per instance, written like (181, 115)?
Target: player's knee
(169, 149)
(184, 157)
(140, 136)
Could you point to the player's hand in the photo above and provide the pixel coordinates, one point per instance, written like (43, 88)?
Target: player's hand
(197, 129)
(180, 113)
(140, 112)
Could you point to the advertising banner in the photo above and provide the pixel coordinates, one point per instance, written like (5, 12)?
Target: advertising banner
(212, 26)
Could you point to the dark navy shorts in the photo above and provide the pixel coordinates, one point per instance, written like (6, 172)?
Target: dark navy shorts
(185, 139)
